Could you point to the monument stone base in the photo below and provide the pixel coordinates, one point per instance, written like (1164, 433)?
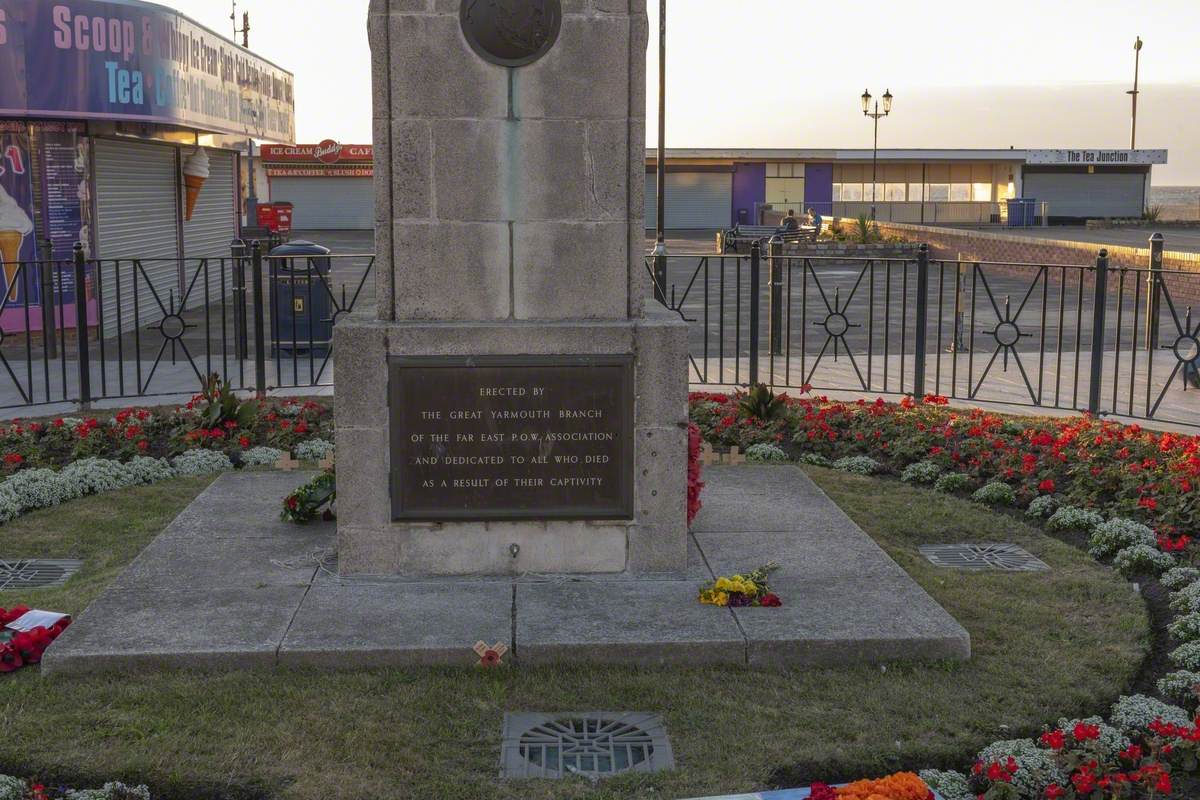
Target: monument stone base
(650, 541)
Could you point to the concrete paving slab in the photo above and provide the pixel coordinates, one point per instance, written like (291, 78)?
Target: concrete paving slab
(641, 622)
(242, 504)
(350, 623)
(134, 629)
(252, 562)
(848, 620)
(815, 555)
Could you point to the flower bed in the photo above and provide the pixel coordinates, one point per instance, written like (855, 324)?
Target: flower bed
(1127, 494)
(45, 463)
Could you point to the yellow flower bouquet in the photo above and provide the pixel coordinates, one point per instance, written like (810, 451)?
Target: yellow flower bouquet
(750, 589)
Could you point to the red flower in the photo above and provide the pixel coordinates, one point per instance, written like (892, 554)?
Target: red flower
(1046, 486)
(821, 791)
(1054, 791)
(1083, 732)
(144, 444)
(244, 441)
(1148, 502)
(13, 458)
(770, 600)
(1054, 739)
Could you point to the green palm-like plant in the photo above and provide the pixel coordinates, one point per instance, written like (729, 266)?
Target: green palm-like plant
(865, 231)
(759, 402)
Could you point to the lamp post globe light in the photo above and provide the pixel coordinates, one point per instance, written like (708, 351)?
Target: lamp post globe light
(875, 114)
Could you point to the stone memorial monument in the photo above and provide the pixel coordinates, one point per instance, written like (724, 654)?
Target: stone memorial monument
(518, 403)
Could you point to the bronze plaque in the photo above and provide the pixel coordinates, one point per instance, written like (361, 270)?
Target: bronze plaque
(512, 437)
(511, 33)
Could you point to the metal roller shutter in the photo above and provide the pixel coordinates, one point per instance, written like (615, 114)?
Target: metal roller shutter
(214, 221)
(695, 200)
(1078, 194)
(327, 203)
(137, 214)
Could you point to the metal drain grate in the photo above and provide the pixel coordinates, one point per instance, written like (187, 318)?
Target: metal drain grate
(35, 573)
(592, 744)
(1006, 557)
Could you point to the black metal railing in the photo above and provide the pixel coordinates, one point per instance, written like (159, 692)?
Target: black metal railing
(1102, 338)
(82, 330)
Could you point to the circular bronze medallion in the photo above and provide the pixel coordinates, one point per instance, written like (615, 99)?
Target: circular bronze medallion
(511, 33)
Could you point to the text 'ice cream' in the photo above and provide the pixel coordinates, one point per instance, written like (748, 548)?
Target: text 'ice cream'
(195, 173)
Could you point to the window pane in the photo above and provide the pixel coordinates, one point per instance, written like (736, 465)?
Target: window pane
(981, 192)
(960, 192)
(852, 192)
(837, 192)
(938, 192)
(914, 192)
(895, 193)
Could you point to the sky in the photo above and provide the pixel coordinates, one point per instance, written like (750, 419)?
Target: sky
(783, 73)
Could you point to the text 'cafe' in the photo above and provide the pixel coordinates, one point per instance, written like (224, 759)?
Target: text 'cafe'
(329, 185)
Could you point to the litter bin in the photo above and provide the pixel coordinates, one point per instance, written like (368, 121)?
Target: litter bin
(301, 307)
(1022, 212)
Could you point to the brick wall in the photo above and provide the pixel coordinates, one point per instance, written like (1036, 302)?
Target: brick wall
(970, 245)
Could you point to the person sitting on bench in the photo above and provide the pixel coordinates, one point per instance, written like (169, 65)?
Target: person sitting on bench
(815, 220)
(790, 223)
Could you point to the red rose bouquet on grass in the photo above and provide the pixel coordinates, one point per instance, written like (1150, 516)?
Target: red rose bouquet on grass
(19, 648)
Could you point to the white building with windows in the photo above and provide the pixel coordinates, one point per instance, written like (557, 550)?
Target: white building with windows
(714, 188)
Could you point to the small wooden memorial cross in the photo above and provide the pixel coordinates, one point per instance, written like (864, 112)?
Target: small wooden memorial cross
(286, 462)
(735, 456)
(327, 462)
(707, 456)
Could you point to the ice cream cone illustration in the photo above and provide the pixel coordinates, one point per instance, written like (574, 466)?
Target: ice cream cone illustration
(15, 225)
(195, 173)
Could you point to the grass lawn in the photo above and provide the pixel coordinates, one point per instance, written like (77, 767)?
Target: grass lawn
(1064, 642)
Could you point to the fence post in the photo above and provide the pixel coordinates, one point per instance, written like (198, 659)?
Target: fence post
(922, 320)
(49, 324)
(1099, 310)
(775, 287)
(660, 272)
(237, 250)
(81, 323)
(755, 282)
(260, 344)
(1154, 291)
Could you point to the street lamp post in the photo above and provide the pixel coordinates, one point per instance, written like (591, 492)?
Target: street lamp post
(1133, 93)
(875, 115)
(660, 188)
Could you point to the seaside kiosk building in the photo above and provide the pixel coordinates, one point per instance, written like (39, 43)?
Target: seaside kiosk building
(122, 126)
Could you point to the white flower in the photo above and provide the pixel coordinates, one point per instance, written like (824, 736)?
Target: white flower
(313, 450)
(764, 452)
(261, 456)
(1117, 534)
(1134, 713)
(40, 488)
(950, 785)
(921, 472)
(146, 470)
(201, 462)
(1179, 686)
(859, 465)
(1070, 518)
(1041, 506)
(96, 475)
(1036, 768)
(1142, 558)
(995, 494)
(11, 788)
(1178, 577)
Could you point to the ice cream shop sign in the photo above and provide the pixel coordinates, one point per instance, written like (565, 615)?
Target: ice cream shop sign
(136, 61)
